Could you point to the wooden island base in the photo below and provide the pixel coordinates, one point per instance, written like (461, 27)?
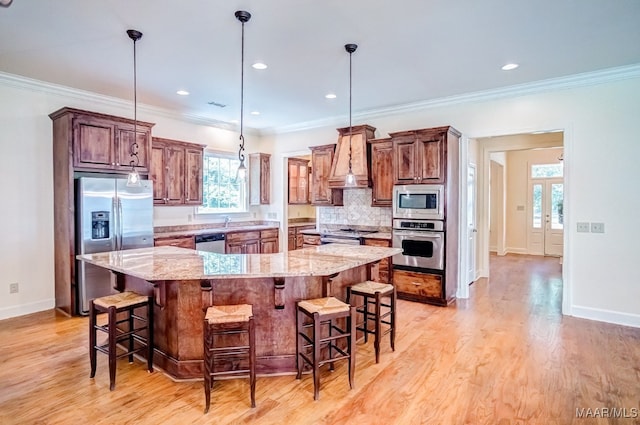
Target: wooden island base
(178, 321)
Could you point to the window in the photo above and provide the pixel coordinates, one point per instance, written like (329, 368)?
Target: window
(221, 193)
(546, 170)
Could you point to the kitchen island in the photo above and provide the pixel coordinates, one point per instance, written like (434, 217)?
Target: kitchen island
(185, 282)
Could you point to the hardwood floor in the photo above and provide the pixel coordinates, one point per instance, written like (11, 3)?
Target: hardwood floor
(504, 356)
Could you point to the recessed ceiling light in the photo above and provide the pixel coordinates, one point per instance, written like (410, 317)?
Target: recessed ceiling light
(255, 113)
(510, 66)
(259, 65)
(330, 96)
(183, 93)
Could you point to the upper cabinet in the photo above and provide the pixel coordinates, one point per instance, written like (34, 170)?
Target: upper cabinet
(176, 171)
(321, 193)
(420, 156)
(352, 148)
(103, 142)
(298, 181)
(259, 179)
(381, 172)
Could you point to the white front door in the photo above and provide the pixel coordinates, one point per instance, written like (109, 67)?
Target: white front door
(546, 225)
(472, 231)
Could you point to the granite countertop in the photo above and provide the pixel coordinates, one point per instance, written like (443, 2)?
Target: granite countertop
(206, 231)
(378, 235)
(173, 263)
(301, 223)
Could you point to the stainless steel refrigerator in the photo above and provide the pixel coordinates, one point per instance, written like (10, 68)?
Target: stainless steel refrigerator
(110, 216)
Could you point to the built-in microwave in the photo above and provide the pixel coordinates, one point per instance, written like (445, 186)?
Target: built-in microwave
(422, 201)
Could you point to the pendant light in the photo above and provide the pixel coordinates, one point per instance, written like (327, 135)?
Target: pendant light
(243, 17)
(350, 180)
(133, 180)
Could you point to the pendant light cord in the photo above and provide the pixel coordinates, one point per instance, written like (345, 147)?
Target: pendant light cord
(135, 160)
(350, 89)
(240, 152)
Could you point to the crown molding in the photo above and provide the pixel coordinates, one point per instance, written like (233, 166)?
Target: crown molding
(542, 86)
(18, 81)
(536, 87)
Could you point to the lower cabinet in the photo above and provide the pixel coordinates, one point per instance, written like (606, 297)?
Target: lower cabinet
(310, 240)
(428, 288)
(295, 238)
(182, 242)
(383, 275)
(252, 242)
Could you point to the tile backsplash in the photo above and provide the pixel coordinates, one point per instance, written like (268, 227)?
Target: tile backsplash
(357, 210)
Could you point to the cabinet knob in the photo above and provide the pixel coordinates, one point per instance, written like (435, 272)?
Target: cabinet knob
(113, 163)
(117, 163)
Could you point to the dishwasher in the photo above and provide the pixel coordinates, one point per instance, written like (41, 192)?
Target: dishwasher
(211, 242)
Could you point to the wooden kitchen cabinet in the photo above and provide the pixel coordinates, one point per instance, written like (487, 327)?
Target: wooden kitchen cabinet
(269, 242)
(103, 143)
(180, 241)
(295, 236)
(298, 178)
(85, 141)
(420, 156)
(384, 264)
(176, 171)
(252, 242)
(310, 240)
(291, 239)
(259, 179)
(321, 193)
(381, 172)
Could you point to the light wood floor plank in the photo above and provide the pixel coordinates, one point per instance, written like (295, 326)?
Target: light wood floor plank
(505, 356)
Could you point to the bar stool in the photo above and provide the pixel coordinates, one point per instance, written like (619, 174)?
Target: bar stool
(231, 321)
(112, 305)
(323, 311)
(372, 294)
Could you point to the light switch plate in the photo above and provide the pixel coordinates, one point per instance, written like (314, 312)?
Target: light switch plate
(597, 227)
(583, 227)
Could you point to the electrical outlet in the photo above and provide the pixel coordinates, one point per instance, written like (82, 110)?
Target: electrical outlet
(583, 227)
(597, 227)
(14, 288)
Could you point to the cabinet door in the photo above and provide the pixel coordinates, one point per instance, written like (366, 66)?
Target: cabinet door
(404, 161)
(124, 140)
(174, 174)
(382, 174)
(234, 248)
(269, 246)
(93, 143)
(157, 174)
(259, 179)
(321, 164)
(291, 239)
(298, 182)
(252, 247)
(193, 176)
(431, 159)
(383, 266)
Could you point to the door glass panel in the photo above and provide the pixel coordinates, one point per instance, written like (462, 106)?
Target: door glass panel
(537, 206)
(557, 206)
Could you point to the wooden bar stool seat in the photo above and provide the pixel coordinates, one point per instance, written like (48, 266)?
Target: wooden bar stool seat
(372, 294)
(132, 333)
(235, 323)
(313, 315)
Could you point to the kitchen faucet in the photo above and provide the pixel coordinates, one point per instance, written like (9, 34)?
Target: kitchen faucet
(227, 219)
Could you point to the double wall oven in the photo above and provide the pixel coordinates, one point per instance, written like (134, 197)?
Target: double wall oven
(418, 227)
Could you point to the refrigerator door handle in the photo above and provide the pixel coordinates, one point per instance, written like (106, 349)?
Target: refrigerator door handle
(116, 220)
(120, 224)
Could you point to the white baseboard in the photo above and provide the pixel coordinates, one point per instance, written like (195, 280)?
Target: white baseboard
(615, 317)
(22, 309)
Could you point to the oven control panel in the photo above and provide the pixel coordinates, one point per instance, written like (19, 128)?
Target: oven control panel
(433, 225)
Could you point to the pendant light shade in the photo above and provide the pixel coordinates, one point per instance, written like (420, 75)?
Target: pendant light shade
(350, 180)
(133, 179)
(243, 17)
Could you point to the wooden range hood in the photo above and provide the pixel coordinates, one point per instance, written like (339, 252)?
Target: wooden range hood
(360, 157)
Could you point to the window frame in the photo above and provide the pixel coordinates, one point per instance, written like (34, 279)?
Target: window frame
(244, 191)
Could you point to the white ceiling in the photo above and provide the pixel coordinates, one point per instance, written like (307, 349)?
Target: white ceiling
(409, 50)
